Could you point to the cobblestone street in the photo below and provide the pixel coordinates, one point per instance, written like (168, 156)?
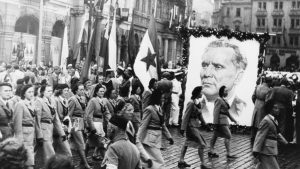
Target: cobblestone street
(289, 157)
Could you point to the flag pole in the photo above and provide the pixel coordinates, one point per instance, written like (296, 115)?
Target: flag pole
(155, 6)
(157, 56)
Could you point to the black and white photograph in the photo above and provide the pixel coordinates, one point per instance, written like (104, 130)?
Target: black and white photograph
(149, 84)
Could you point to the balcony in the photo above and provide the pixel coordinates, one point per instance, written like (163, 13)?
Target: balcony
(261, 29)
(261, 13)
(295, 12)
(277, 29)
(294, 31)
(77, 10)
(278, 12)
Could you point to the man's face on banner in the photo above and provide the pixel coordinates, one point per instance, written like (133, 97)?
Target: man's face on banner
(218, 69)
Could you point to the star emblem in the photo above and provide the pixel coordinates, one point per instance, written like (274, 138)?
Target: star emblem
(149, 59)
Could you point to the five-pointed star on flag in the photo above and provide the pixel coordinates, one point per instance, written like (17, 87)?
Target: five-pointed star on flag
(149, 59)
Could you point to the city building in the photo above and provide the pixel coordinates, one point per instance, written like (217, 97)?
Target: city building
(282, 20)
(170, 45)
(232, 14)
(20, 36)
(204, 10)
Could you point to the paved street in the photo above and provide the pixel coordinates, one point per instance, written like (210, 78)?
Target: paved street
(289, 157)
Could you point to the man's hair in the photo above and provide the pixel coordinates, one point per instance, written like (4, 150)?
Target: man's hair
(239, 61)
(13, 154)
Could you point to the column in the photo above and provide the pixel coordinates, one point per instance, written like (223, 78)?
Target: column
(39, 46)
(166, 50)
(174, 52)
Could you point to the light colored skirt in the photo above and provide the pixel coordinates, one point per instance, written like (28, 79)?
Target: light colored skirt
(156, 157)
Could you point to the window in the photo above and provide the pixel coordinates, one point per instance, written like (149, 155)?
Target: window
(144, 6)
(265, 5)
(294, 4)
(292, 23)
(275, 22)
(280, 5)
(276, 5)
(149, 7)
(294, 40)
(238, 12)
(298, 4)
(228, 12)
(258, 22)
(278, 40)
(297, 23)
(274, 40)
(137, 4)
(259, 5)
(263, 21)
(279, 22)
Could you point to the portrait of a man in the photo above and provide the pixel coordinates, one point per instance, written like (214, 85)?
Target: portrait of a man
(221, 62)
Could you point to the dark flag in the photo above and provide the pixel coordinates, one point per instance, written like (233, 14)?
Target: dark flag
(131, 46)
(104, 48)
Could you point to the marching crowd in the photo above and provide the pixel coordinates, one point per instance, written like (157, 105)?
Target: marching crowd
(45, 113)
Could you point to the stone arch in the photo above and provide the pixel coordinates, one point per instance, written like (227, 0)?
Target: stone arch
(58, 29)
(275, 61)
(292, 61)
(27, 24)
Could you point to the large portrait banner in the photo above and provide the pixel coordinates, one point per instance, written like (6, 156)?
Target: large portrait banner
(215, 61)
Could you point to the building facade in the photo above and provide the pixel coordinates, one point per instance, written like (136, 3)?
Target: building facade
(170, 45)
(232, 14)
(20, 34)
(282, 20)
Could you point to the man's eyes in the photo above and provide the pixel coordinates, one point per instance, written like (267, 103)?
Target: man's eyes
(216, 66)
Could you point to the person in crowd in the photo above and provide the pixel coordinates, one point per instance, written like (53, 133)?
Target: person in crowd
(284, 96)
(268, 134)
(6, 114)
(109, 100)
(110, 76)
(121, 153)
(13, 154)
(16, 75)
(191, 126)
(99, 79)
(258, 98)
(176, 92)
(221, 124)
(54, 77)
(47, 121)
(41, 75)
(3, 71)
(17, 96)
(7, 75)
(24, 123)
(151, 130)
(29, 80)
(59, 162)
(97, 116)
(147, 93)
(76, 112)
(165, 86)
(93, 75)
(88, 87)
(61, 107)
(135, 100)
(120, 72)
